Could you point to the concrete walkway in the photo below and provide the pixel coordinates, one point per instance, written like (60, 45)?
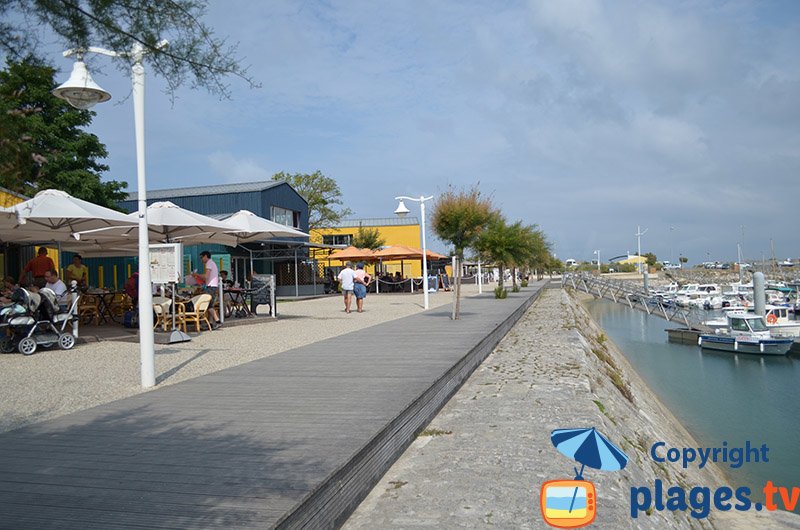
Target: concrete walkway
(296, 438)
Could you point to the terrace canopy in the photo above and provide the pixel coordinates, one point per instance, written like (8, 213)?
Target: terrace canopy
(54, 215)
(167, 223)
(353, 254)
(248, 227)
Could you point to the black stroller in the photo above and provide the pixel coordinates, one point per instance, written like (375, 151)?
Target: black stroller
(34, 320)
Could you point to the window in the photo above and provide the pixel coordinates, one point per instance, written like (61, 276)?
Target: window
(285, 217)
(339, 239)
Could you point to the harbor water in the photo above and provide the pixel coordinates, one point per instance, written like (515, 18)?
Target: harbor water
(718, 396)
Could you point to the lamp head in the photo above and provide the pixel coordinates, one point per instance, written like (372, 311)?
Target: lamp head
(80, 90)
(401, 210)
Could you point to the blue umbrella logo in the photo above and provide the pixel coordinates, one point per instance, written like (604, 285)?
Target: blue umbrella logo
(590, 448)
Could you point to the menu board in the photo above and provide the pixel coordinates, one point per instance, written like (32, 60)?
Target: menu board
(166, 263)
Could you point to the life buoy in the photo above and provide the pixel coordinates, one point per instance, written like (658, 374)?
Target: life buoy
(772, 318)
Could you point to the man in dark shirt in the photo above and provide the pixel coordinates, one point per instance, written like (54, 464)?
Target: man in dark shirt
(38, 267)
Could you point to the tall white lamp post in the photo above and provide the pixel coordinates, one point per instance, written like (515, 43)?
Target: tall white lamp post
(402, 211)
(82, 92)
(639, 235)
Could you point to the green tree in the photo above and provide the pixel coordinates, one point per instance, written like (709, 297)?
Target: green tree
(510, 245)
(651, 259)
(42, 143)
(194, 53)
(683, 259)
(322, 194)
(368, 238)
(459, 216)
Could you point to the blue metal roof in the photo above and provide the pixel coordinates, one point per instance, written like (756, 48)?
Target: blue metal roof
(239, 187)
(378, 221)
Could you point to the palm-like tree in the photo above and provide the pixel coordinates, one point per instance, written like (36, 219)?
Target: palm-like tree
(511, 245)
(458, 218)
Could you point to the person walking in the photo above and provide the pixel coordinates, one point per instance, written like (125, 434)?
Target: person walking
(362, 280)
(38, 266)
(347, 277)
(211, 280)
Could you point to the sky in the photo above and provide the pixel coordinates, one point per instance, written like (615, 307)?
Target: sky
(587, 118)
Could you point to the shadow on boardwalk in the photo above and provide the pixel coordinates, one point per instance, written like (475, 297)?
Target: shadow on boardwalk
(140, 466)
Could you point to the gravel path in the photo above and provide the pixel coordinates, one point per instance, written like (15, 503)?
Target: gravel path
(53, 382)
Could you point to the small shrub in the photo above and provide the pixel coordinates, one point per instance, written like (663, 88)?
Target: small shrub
(500, 293)
(524, 283)
(515, 289)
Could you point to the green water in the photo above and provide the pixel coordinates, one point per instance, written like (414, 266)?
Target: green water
(719, 397)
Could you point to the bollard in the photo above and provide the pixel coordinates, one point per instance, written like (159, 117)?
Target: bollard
(759, 294)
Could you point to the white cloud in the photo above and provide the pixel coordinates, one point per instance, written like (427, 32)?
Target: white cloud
(232, 169)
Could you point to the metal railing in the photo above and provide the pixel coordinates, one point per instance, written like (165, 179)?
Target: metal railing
(635, 297)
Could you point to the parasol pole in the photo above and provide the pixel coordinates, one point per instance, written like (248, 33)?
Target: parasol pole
(579, 476)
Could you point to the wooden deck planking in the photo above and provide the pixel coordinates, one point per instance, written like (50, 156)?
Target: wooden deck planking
(240, 447)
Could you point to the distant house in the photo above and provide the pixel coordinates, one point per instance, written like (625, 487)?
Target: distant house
(626, 259)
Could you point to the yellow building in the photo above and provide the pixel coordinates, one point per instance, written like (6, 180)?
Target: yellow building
(9, 198)
(633, 260)
(393, 231)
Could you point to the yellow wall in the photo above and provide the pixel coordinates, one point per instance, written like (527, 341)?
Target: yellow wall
(633, 260)
(408, 235)
(8, 199)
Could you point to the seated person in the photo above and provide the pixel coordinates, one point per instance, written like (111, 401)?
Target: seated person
(226, 283)
(55, 284)
(78, 272)
(9, 284)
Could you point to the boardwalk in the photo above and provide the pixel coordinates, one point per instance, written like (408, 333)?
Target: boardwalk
(290, 440)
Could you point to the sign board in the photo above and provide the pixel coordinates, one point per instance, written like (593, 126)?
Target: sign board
(264, 291)
(166, 263)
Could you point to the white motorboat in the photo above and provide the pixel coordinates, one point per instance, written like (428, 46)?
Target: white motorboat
(745, 333)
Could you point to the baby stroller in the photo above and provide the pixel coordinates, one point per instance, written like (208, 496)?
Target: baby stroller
(31, 322)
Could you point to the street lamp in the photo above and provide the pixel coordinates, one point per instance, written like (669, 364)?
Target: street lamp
(82, 92)
(639, 235)
(598, 260)
(402, 211)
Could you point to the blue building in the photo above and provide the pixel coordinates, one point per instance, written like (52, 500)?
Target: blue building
(274, 200)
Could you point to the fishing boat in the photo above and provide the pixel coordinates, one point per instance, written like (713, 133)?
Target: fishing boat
(745, 333)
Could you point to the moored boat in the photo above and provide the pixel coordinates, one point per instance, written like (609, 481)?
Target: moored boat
(745, 333)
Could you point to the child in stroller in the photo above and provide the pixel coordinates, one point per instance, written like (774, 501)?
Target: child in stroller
(31, 321)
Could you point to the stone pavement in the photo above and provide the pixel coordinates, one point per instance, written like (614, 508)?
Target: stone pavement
(482, 460)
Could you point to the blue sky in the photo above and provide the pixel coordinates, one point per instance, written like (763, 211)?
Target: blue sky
(587, 118)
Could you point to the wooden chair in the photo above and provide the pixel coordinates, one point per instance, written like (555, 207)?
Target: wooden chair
(161, 306)
(88, 309)
(200, 305)
(120, 304)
